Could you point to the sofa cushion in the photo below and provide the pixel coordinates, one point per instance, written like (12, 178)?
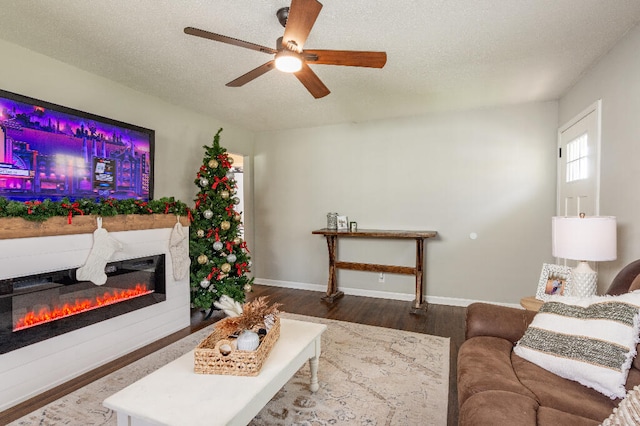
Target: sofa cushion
(561, 394)
(591, 340)
(495, 407)
(484, 363)
(552, 417)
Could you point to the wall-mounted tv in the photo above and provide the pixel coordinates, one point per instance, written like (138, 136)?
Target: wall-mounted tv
(51, 151)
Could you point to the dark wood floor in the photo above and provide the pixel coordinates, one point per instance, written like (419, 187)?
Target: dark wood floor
(440, 320)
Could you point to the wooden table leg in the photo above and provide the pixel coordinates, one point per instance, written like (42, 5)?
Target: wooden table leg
(332, 286)
(419, 304)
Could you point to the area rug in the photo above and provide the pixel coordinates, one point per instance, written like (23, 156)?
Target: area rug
(368, 376)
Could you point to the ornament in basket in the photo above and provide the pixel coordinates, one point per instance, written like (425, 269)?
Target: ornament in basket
(219, 353)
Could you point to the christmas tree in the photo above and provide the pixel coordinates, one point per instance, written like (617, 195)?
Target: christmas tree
(219, 256)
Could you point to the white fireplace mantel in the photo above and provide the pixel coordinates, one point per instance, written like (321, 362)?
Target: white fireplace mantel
(31, 370)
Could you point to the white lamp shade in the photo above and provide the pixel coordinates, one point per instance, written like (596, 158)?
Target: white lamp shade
(584, 238)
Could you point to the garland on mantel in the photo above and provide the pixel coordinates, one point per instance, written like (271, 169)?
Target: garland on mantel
(39, 211)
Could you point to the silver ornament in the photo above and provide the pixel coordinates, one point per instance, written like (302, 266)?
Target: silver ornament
(204, 182)
(217, 246)
(231, 258)
(208, 214)
(247, 287)
(269, 320)
(205, 283)
(236, 200)
(230, 175)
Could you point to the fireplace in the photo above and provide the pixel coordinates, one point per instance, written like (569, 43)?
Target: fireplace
(42, 306)
(71, 345)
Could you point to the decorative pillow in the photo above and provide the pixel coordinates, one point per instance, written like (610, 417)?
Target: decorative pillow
(628, 411)
(591, 340)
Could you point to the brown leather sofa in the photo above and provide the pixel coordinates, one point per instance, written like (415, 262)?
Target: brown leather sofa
(497, 387)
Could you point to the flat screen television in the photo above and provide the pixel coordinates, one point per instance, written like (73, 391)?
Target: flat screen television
(51, 151)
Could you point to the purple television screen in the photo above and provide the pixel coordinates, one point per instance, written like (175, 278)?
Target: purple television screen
(50, 151)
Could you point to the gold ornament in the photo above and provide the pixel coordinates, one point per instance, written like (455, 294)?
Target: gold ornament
(213, 164)
(237, 240)
(237, 217)
(230, 159)
(224, 194)
(225, 267)
(202, 259)
(247, 287)
(200, 233)
(225, 225)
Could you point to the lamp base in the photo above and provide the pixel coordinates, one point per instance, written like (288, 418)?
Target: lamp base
(584, 281)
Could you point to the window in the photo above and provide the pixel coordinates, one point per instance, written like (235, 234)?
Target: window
(577, 159)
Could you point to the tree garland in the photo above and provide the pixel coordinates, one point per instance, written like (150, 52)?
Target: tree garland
(39, 211)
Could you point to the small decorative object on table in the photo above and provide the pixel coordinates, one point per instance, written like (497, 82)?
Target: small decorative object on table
(227, 350)
(353, 226)
(332, 220)
(554, 280)
(343, 223)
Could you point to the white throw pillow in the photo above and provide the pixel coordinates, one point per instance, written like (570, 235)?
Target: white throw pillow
(627, 413)
(590, 340)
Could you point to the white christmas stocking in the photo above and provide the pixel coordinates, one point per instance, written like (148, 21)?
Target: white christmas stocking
(179, 249)
(104, 245)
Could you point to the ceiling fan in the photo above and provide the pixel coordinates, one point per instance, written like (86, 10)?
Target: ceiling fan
(297, 20)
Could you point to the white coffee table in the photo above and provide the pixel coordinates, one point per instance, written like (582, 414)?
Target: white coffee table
(175, 395)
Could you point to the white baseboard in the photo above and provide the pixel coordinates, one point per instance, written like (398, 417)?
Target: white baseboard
(436, 300)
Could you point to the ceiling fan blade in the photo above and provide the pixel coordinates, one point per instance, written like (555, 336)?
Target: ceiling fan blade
(302, 16)
(351, 58)
(251, 75)
(229, 40)
(312, 82)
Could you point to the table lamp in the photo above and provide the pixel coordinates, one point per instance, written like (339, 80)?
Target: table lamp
(584, 239)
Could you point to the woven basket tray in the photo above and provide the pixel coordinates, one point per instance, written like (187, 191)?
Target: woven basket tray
(208, 358)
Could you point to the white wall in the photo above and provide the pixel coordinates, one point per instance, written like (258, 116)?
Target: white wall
(488, 171)
(616, 80)
(180, 134)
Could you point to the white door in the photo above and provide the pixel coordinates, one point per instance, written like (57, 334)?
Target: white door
(579, 164)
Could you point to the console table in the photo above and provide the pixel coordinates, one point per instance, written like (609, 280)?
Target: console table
(419, 304)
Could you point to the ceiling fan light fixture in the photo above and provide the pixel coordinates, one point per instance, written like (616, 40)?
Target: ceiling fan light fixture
(288, 61)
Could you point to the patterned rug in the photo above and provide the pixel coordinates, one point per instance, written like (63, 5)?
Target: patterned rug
(368, 376)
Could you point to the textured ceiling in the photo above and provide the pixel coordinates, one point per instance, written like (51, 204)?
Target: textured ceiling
(442, 54)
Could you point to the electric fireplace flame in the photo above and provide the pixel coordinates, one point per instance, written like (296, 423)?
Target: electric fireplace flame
(45, 315)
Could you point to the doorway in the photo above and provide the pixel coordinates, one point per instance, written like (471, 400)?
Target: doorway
(578, 186)
(238, 171)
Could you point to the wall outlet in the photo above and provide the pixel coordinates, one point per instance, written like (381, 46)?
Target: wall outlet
(381, 277)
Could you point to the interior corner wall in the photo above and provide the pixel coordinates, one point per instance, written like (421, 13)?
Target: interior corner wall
(616, 80)
(490, 172)
(180, 133)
